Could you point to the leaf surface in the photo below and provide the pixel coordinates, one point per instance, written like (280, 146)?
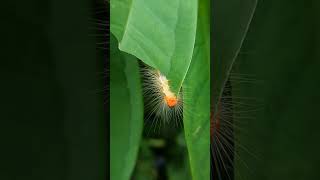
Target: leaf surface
(197, 99)
(126, 111)
(160, 33)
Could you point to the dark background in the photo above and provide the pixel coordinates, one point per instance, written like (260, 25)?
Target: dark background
(52, 114)
(282, 50)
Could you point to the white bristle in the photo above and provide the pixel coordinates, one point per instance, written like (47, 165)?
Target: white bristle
(156, 89)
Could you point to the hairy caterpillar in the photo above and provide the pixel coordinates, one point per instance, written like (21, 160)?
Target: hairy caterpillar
(161, 104)
(226, 120)
(163, 123)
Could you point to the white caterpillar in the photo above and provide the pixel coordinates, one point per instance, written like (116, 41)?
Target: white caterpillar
(161, 104)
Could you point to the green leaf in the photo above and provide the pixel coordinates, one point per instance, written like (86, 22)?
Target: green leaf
(231, 20)
(197, 99)
(160, 33)
(126, 111)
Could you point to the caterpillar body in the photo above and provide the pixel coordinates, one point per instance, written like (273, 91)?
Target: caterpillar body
(162, 106)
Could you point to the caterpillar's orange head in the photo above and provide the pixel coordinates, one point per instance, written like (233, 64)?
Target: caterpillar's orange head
(171, 101)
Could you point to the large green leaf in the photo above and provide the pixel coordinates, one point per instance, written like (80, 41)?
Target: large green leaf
(160, 33)
(231, 20)
(126, 111)
(197, 99)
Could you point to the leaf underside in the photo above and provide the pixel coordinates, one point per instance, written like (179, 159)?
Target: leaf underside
(160, 33)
